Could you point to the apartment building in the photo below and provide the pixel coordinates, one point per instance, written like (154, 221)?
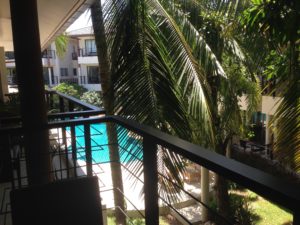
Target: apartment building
(79, 64)
(86, 58)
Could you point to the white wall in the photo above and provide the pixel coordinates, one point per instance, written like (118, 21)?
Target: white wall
(270, 104)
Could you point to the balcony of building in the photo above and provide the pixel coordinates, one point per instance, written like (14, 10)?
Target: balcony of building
(48, 58)
(69, 80)
(87, 56)
(55, 165)
(80, 148)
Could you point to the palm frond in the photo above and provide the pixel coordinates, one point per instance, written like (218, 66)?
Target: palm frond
(287, 126)
(61, 44)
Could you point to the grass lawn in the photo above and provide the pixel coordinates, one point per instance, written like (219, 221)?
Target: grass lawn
(268, 213)
(262, 212)
(111, 221)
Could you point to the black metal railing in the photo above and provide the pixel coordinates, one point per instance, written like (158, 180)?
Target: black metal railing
(69, 80)
(80, 148)
(74, 56)
(9, 55)
(85, 52)
(48, 54)
(60, 107)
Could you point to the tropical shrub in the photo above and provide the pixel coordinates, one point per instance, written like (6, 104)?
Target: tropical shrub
(92, 97)
(73, 90)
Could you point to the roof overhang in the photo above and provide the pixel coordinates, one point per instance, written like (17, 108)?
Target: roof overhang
(55, 17)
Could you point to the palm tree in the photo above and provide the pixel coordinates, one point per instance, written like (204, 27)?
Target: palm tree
(166, 73)
(278, 23)
(61, 44)
(108, 102)
(214, 22)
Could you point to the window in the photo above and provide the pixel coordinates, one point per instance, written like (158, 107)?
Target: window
(63, 72)
(12, 76)
(90, 47)
(93, 74)
(74, 71)
(46, 75)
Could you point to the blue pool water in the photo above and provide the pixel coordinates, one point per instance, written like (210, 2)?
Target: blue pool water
(129, 147)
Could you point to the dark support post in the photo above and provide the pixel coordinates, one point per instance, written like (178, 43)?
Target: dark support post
(27, 51)
(151, 181)
(51, 101)
(47, 96)
(74, 149)
(62, 109)
(71, 106)
(88, 149)
(296, 219)
(61, 104)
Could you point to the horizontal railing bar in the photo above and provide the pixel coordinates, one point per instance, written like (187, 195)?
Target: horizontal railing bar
(67, 97)
(77, 101)
(176, 211)
(59, 115)
(195, 199)
(76, 114)
(118, 189)
(275, 189)
(266, 185)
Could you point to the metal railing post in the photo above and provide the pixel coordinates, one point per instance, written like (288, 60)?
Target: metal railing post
(74, 149)
(71, 106)
(150, 181)
(61, 104)
(296, 217)
(51, 100)
(88, 150)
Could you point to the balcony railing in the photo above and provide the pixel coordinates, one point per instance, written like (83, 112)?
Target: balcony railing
(79, 147)
(48, 54)
(60, 106)
(69, 80)
(74, 56)
(9, 55)
(85, 52)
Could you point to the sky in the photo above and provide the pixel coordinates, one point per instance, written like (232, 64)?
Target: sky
(83, 21)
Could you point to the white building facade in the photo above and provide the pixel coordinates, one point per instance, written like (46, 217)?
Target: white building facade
(78, 65)
(87, 60)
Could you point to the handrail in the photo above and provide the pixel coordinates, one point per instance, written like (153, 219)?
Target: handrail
(266, 185)
(273, 188)
(77, 101)
(67, 97)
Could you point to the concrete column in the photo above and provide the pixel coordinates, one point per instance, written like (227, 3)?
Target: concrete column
(50, 76)
(29, 69)
(79, 75)
(3, 76)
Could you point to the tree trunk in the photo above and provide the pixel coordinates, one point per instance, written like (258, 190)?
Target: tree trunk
(222, 196)
(108, 102)
(222, 187)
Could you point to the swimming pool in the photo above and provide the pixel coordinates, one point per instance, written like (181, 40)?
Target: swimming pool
(130, 148)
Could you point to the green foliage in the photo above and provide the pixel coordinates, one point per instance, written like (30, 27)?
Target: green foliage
(277, 19)
(278, 23)
(11, 107)
(73, 90)
(92, 97)
(250, 134)
(61, 44)
(241, 209)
